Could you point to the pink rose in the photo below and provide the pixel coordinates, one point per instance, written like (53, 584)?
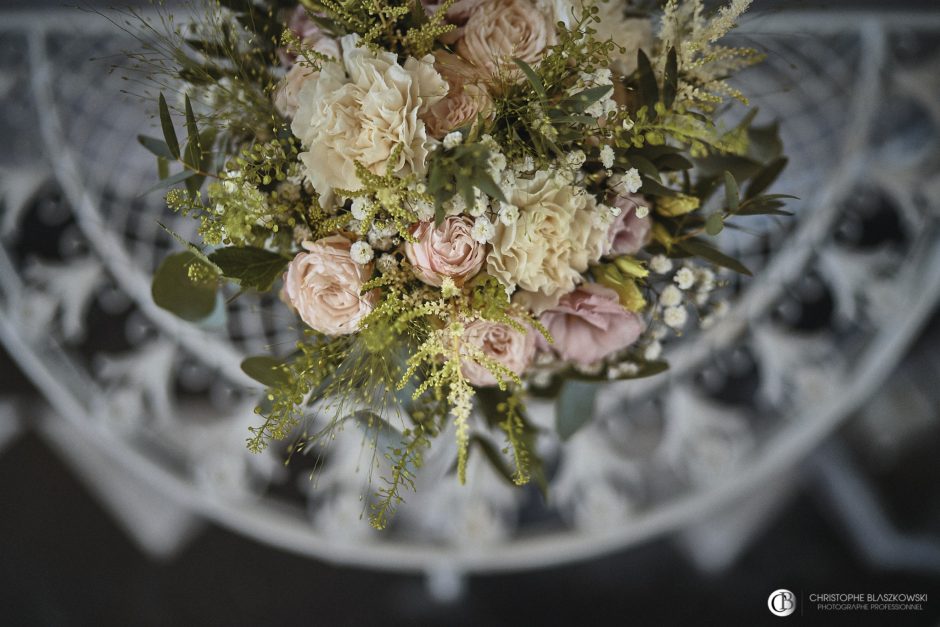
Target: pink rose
(445, 251)
(629, 234)
(301, 24)
(498, 30)
(464, 100)
(323, 285)
(588, 324)
(501, 343)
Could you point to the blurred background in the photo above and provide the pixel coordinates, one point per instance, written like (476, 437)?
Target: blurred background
(792, 446)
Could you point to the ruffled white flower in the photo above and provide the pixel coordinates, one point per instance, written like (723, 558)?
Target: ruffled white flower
(653, 351)
(452, 140)
(508, 214)
(361, 252)
(684, 278)
(424, 210)
(661, 264)
(360, 208)
(552, 242)
(670, 297)
(629, 182)
(675, 317)
(386, 263)
(360, 109)
(483, 230)
(641, 212)
(607, 156)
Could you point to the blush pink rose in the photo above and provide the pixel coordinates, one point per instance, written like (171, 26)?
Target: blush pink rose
(301, 24)
(500, 342)
(497, 31)
(323, 285)
(588, 324)
(629, 234)
(445, 251)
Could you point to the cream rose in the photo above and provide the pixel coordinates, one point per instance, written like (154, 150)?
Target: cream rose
(498, 30)
(557, 235)
(499, 342)
(445, 251)
(323, 285)
(360, 110)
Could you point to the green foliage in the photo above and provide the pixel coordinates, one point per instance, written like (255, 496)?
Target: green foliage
(186, 286)
(254, 268)
(405, 27)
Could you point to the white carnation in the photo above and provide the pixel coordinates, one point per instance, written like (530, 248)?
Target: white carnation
(670, 297)
(551, 243)
(360, 109)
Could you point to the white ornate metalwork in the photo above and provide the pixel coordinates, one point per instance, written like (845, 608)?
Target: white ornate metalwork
(744, 401)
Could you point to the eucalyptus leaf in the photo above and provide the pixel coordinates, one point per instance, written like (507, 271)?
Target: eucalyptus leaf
(714, 224)
(173, 290)
(574, 407)
(156, 147)
(732, 193)
(254, 268)
(646, 78)
(534, 80)
(265, 370)
(671, 78)
(766, 177)
(699, 248)
(169, 133)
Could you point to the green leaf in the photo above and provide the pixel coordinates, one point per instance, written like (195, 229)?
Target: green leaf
(766, 177)
(699, 248)
(732, 194)
(534, 80)
(169, 181)
(251, 267)
(156, 147)
(163, 168)
(671, 78)
(169, 133)
(495, 458)
(643, 165)
(764, 143)
(488, 186)
(652, 187)
(173, 290)
(714, 224)
(646, 78)
(575, 407)
(265, 370)
(580, 102)
(191, 128)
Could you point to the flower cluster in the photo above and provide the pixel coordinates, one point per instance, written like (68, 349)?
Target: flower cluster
(465, 199)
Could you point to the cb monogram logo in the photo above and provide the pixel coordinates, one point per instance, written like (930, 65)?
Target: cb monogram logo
(781, 602)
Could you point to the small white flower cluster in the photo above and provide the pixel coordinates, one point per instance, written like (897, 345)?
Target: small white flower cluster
(361, 252)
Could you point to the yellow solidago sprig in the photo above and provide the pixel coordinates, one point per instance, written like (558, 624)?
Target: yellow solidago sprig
(403, 27)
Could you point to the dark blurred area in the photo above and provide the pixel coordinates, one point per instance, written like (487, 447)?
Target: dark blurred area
(859, 514)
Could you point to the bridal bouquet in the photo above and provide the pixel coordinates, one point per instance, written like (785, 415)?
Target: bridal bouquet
(464, 203)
